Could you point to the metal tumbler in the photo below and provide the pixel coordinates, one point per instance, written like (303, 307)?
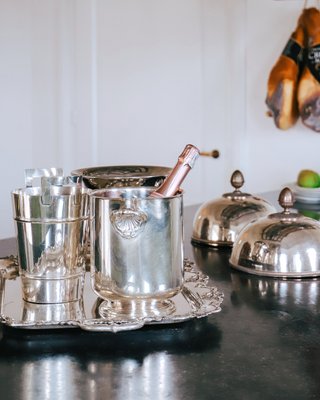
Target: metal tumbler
(51, 223)
(136, 243)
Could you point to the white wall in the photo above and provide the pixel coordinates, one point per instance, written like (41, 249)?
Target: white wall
(110, 82)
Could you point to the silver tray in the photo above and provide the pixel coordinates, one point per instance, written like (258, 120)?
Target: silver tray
(196, 299)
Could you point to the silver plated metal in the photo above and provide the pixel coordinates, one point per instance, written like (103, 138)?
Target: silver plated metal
(52, 222)
(122, 176)
(218, 222)
(136, 243)
(196, 299)
(284, 244)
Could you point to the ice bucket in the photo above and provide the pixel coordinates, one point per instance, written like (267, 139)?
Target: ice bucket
(51, 223)
(136, 243)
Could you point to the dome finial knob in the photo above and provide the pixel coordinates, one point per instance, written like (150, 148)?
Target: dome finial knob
(237, 179)
(286, 199)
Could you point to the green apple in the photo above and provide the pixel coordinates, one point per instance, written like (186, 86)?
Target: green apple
(308, 178)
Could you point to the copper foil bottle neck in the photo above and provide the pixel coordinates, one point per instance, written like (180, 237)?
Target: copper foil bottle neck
(173, 181)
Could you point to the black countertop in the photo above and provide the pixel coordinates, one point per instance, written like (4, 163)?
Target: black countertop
(264, 344)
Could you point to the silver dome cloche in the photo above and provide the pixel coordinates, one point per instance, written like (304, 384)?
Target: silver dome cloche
(284, 244)
(219, 221)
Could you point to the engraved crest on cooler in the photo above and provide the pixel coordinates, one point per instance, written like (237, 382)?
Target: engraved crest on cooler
(128, 222)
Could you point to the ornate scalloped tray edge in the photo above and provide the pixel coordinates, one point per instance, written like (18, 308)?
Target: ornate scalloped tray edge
(196, 299)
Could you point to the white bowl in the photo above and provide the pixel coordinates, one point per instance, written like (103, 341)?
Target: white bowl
(305, 195)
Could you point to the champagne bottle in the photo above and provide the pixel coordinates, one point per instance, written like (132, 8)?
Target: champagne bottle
(172, 183)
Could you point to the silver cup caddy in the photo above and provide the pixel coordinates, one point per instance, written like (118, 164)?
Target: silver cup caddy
(136, 243)
(51, 222)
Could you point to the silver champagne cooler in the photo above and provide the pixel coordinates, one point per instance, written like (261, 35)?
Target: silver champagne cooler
(51, 222)
(136, 243)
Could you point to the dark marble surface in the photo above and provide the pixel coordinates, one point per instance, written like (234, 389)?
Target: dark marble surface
(264, 344)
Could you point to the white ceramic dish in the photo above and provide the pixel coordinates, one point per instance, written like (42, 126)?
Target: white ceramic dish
(305, 195)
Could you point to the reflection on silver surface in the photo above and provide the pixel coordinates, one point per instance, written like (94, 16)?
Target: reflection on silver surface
(42, 290)
(51, 223)
(57, 377)
(150, 378)
(122, 176)
(126, 308)
(260, 291)
(196, 300)
(218, 222)
(257, 291)
(47, 314)
(136, 243)
(283, 244)
(308, 210)
(104, 177)
(155, 371)
(49, 378)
